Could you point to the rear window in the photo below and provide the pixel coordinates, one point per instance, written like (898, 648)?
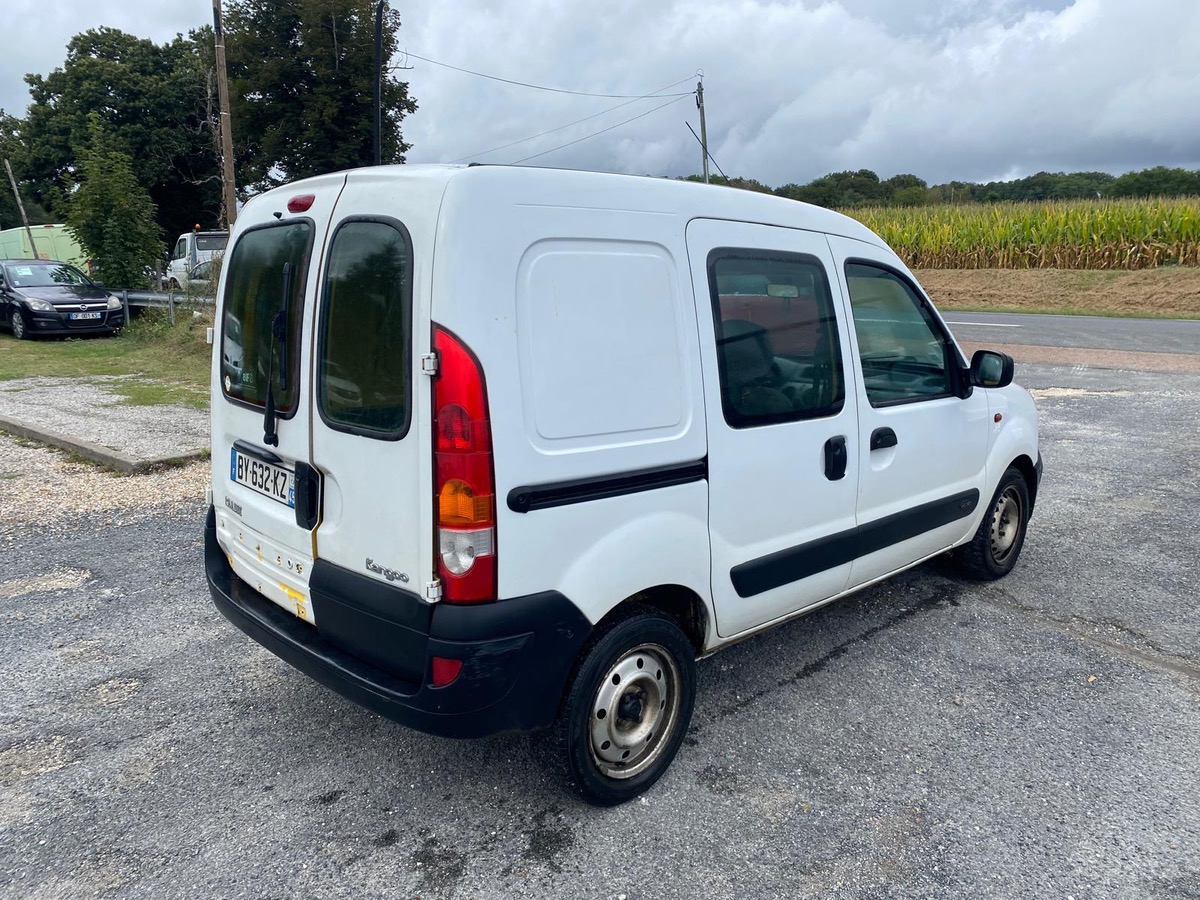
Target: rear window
(211, 242)
(262, 322)
(363, 373)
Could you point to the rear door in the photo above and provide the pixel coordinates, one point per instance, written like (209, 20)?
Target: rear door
(264, 488)
(782, 455)
(370, 438)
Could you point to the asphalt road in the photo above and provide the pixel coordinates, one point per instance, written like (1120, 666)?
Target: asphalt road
(1035, 737)
(1094, 332)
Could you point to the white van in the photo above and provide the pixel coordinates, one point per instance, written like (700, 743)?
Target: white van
(190, 250)
(49, 242)
(512, 448)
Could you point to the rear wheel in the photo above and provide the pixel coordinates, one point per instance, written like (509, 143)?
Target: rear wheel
(627, 707)
(20, 327)
(997, 544)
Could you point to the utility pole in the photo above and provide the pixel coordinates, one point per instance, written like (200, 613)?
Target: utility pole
(230, 201)
(21, 207)
(379, 83)
(703, 127)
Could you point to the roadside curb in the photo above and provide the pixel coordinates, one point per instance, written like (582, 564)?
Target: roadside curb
(103, 456)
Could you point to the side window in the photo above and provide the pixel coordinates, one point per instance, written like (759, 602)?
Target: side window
(904, 352)
(365, 344)
(180, 249)
(777, 340)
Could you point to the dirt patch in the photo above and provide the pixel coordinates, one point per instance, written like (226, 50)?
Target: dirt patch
(1170, 292)
(1126, 360)
(60, 579)
(37, 756)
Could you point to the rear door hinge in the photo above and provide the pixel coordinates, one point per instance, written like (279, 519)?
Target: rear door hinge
(429, 364)
(433, 590)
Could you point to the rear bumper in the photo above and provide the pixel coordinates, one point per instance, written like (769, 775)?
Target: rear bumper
(517, 654)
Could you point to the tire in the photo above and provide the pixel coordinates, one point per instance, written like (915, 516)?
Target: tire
(997, 543)
(173, 285)
(613, 741)
(19, 325)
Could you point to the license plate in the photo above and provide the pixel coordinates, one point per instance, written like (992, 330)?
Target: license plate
(76, 317)
(266, 478)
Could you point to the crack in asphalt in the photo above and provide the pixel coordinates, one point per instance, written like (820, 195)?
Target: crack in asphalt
(941, 596)
(1156, 657)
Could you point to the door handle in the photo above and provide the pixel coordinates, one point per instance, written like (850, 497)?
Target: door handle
(835, 458)
(883, 437)
(307, 485)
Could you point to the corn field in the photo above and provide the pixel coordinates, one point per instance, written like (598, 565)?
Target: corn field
(1076, 234)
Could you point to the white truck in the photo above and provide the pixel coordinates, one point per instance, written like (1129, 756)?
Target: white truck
(190, 250)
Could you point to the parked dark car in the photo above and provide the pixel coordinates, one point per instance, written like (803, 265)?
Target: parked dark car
(42, 296)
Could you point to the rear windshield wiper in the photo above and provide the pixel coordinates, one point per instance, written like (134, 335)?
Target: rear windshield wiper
(279, 325)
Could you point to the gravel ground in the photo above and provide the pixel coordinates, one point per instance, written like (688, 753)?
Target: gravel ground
(86, 409)
(929, 737)
(42, 488)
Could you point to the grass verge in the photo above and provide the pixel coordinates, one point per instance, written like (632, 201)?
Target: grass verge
(168, 363)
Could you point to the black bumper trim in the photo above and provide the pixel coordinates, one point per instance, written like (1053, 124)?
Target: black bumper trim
(1037, 484)
(517, 655)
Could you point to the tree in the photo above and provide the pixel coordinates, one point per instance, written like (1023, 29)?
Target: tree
(745, 184)
(153, 102)
(11, 149)
(839, 190)
(905, 190)
(110, 213)
(1157, 182)
(302, 88)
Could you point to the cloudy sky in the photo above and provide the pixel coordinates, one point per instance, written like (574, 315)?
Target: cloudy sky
(945, 89)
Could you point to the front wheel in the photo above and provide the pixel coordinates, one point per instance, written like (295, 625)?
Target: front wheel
(20, 327)
(997, 543)
(627, 707)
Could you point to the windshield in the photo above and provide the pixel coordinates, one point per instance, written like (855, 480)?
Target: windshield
(253, 298)
(45, 275)
(211, 242)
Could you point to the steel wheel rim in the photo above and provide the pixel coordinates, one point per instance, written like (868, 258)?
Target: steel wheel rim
(1007, 520)
(18, 325)
(634, 711)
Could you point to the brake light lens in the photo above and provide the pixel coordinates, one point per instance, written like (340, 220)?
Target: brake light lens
(298, 204)
(465, 493)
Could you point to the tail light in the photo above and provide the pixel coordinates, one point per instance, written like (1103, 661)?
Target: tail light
(465, 493)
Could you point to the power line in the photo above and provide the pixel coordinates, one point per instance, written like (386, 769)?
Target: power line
(569, 124)
(710, 156)
(603, 130)
(539, 87)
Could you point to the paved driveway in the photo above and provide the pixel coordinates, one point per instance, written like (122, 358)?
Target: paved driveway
(1038, 737)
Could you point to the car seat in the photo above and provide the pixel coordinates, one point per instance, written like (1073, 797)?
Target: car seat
(751, 382)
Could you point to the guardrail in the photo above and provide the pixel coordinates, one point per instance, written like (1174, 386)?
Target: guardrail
(168, 300)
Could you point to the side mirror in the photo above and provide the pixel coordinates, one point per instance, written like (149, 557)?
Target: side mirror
(99, 284)
(991, 369)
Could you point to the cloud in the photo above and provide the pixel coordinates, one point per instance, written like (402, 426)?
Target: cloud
(970, 90)
(36, 33)
(965, 89)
